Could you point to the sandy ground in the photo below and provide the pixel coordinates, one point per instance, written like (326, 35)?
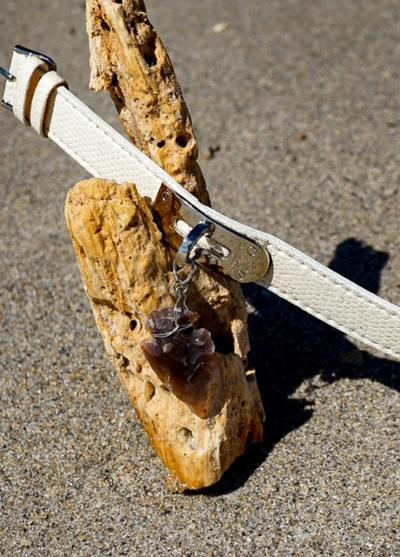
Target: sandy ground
(299, 101)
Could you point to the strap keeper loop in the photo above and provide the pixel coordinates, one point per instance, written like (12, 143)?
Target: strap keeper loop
(47, 84)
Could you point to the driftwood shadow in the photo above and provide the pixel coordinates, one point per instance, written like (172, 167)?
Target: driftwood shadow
(289, 347)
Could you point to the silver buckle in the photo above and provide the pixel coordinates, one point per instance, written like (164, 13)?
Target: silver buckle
(217, 246)
(26, 52)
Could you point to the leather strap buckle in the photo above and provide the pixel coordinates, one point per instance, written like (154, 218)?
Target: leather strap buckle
(51, 65)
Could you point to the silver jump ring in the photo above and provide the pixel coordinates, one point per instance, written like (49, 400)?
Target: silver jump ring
(176, 269)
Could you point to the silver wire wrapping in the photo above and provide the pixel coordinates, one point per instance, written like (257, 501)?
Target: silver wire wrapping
(181, 287)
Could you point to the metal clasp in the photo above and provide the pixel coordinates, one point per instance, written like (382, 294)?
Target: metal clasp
(190, 244)
(220, 248)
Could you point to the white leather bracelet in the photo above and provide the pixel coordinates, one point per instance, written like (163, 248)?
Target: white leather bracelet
(36, 94)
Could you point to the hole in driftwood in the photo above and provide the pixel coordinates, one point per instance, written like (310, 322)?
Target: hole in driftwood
(161, 144)
(149, 390)
(186, 433)
(149, 51)
(134, 323)
(150, 58)
(123, 362)
(116, 92)
(182, 140)
(104, 25)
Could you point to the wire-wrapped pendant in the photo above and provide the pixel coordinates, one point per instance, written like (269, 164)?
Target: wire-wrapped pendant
(181, 356)
(182, 360)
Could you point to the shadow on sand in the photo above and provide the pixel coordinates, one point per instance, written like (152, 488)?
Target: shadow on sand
(290, 346)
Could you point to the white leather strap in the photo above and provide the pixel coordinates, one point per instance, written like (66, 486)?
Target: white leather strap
(294, 276)
(97, 146)
(334, 299)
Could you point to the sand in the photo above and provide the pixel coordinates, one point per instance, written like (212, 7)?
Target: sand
(295, 105)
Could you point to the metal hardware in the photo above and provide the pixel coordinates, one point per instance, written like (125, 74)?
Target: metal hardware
(29, 52)
(6, 74)
(9, 77)
(19, 49)
(222, 249)
(181, 287)
(190, 243)
(186, 255)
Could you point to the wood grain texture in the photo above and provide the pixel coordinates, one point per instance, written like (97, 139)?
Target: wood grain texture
(128, 59)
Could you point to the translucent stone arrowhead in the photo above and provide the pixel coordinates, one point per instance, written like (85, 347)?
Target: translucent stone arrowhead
(181, 361)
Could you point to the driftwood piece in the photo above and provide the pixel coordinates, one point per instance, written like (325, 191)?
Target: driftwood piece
(117, 243)
(128, 59)
(126, 269)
